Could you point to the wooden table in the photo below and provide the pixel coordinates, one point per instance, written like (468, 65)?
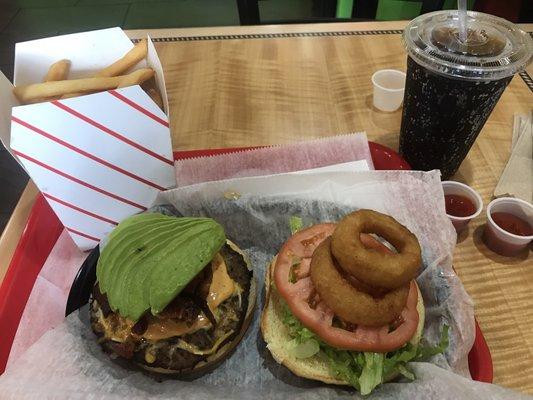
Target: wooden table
(243, 86)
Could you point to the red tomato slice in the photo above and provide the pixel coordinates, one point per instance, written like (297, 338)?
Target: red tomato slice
(300, 248)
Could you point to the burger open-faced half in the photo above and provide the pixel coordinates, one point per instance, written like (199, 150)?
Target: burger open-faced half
(173, 295)
(344, 309)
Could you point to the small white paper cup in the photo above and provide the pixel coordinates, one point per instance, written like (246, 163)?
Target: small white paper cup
(389, 85)
(458, 188)
(499, 240)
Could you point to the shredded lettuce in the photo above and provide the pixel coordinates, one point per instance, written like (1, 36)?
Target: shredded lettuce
(296, 224)
(362, 370)
(305, 349)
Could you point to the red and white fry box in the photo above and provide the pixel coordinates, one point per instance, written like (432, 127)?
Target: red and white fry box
(98, 158)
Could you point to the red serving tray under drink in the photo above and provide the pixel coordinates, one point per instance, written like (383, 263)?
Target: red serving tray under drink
(43, 229)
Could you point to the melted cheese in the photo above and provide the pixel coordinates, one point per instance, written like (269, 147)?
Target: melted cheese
(222, 286)
(115, 327)
(195, 350)
(118, 328)
(167, 328)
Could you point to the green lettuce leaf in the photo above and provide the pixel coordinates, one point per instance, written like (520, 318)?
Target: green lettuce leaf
(304, 349)
(372, 374)
(296, 224)
(426, 352)
(362, 370)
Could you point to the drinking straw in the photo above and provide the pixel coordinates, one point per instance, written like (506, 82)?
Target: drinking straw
(462, 20)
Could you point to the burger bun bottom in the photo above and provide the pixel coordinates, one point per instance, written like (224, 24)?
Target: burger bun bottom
(276, 336)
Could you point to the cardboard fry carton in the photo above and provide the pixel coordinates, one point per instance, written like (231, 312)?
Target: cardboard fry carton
(98, 158)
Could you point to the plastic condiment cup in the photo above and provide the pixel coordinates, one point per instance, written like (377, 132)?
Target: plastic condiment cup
(458, 188)
(499, 240)
(389, 85)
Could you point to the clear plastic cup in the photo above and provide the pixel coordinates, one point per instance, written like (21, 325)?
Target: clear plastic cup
(499, 240)
(457, 188)
(389, 85)
(452, 85)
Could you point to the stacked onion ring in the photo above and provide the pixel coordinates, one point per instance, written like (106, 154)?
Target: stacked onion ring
(361, 284)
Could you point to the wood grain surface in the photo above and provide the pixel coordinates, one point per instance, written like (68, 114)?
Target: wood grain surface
(228, 88)
(15, 226)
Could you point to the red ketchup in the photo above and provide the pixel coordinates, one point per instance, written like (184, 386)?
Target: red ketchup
(459, 206)
(512, 224)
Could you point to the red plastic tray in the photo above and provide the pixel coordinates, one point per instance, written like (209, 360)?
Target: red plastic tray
(43, 229)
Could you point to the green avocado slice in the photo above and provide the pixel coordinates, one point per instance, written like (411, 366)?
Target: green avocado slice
(196, 249)
(150, 258)
(135, 278)
(131, 263)
(126, 261)
(130, 226)
(126, 253)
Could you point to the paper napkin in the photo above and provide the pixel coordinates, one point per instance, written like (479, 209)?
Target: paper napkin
(517, 177)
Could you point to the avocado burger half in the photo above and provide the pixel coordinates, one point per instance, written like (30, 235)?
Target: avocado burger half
(173, 295)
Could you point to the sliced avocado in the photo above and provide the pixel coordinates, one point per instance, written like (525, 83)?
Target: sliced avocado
(197, 248)
(128, 250)
(131, 264)
(128, 226)
(150, 258)
(135, 278)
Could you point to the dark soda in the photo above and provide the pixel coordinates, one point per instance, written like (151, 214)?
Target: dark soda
(442, 117)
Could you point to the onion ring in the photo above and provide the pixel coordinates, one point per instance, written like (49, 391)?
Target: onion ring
(374, 268)
(348, 302)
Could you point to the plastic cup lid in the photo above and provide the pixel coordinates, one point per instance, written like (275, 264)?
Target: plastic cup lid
(495, 48)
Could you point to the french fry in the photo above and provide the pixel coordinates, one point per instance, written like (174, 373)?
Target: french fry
(33, 93)
(77, 94)
(132, 57)
(136, 77)
(58, 71)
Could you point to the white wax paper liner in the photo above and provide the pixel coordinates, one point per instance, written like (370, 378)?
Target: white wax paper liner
(275, 159)
(45, 308)
(67, 361)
